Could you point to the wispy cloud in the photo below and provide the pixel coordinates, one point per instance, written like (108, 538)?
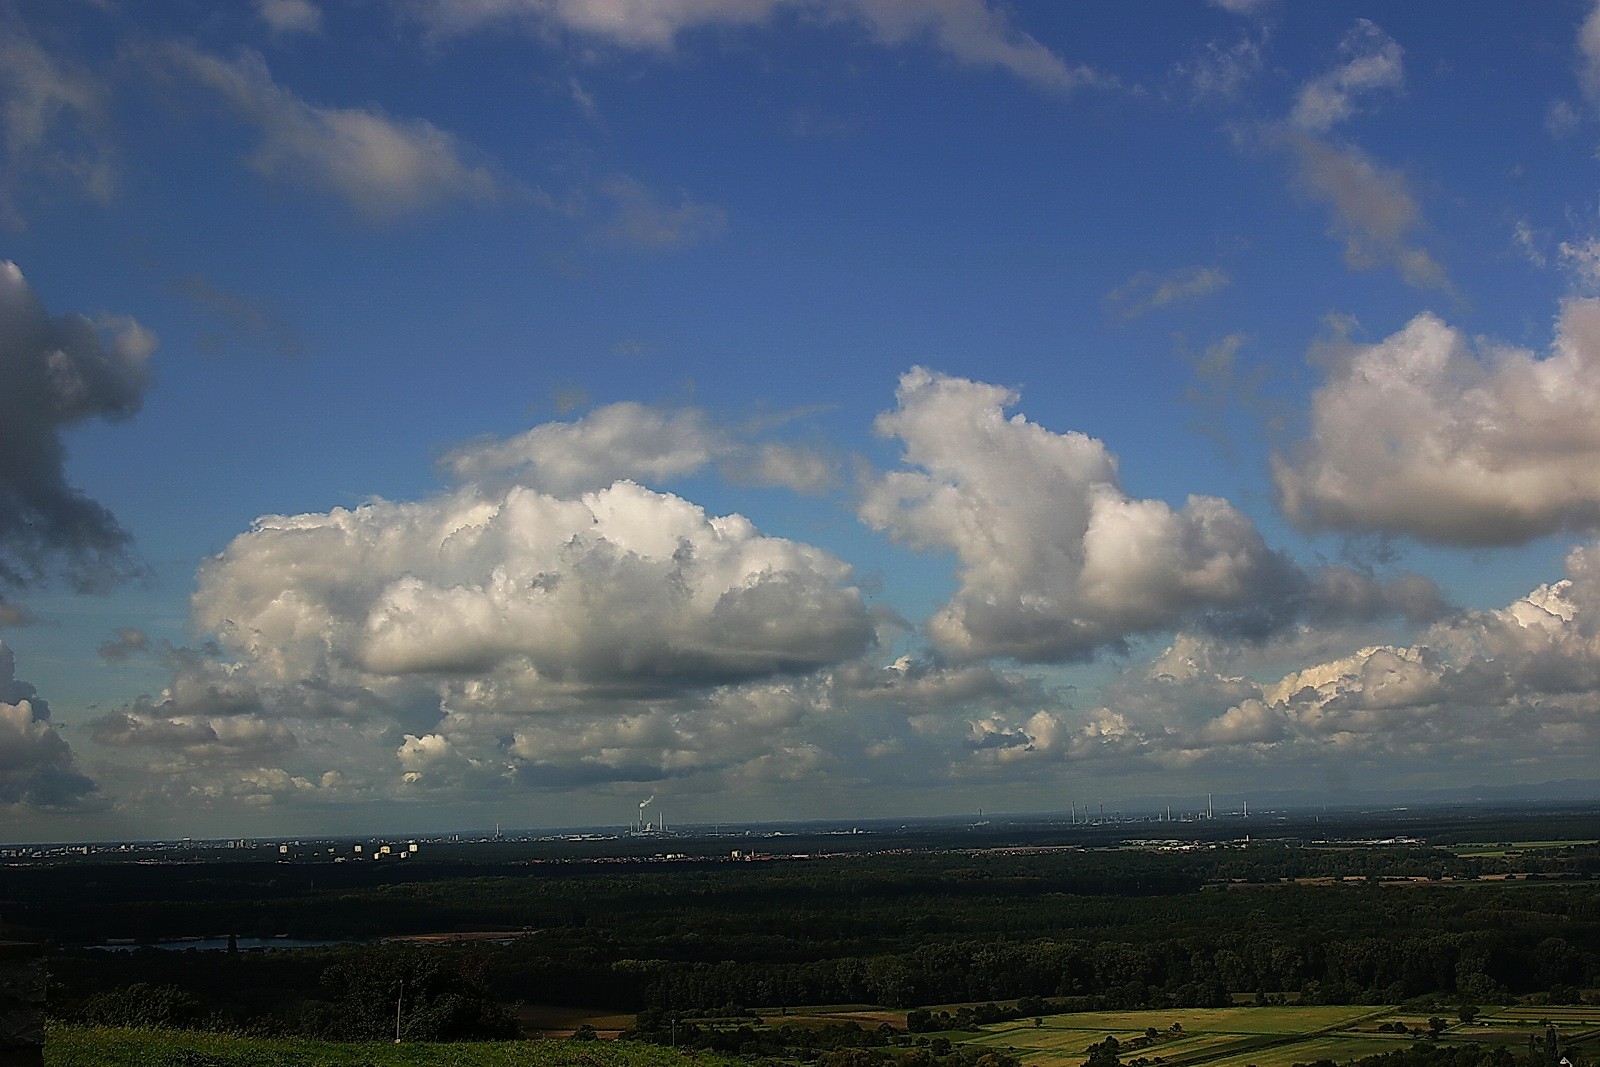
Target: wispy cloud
(1146, 292)
(1374, 64)
(972, 32)
(52, 124)
(1374, 211)
(639, 442)
(382, 167)
(638, 216)
(238, 320)
(1220, 72)
(290, 16)
(128, 642)
(1589, 54)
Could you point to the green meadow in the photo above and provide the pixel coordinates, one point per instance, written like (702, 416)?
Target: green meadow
(1497, 849)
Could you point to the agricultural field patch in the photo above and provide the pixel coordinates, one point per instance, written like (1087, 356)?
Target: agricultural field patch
(548, 1020)
(1336, 1047)
(1514, 1025)
(1502, 848)
(1412, 1021)
(1068, 1044)
(1557, 1013)
(868, 1018)
(1267, 1020)
(1213, 1037)
(1045, 1039)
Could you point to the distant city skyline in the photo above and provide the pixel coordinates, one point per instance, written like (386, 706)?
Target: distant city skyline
(417, 415)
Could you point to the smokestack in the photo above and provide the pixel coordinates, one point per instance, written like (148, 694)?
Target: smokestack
(1208, 806)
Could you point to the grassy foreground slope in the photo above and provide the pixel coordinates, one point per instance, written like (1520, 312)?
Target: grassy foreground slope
(73, 1046)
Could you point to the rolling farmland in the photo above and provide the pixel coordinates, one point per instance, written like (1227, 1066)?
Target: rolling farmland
(1266, 1036)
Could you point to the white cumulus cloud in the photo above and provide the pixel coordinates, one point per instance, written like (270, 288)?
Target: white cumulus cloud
(1476, 688)
(1430, 435)
(623, 440)
(485, 640)
(636, 442)
(622, 589)
(1055, 560)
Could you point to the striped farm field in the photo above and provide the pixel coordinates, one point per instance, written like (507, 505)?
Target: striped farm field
(867, 1017)
(1070, 1041)
(1582, 1014)
(1275, 1020)
(1045, 1038)
(1205, 1037)
(1336, 1047)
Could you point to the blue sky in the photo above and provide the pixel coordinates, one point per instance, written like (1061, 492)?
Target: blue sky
(425, 414)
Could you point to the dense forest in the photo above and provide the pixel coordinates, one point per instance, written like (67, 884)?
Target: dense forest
(1085, 927)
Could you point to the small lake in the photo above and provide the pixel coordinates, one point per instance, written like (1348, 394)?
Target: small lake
(220, 944)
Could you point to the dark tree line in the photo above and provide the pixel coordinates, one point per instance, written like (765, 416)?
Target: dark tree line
(1086, 929)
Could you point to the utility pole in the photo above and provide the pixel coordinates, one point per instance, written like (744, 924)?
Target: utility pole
(397, 1001)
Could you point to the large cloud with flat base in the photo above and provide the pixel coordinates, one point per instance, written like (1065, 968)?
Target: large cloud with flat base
(532, 630)
(490, 639)
(1055, 560)
(1503, 683)
(1477, 691)
(621, 590)
(1432, 435)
